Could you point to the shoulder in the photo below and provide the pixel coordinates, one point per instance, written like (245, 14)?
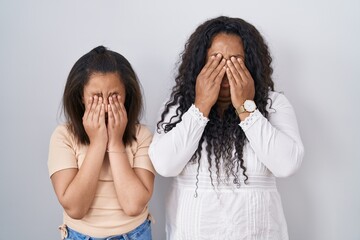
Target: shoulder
(62, 150)
(143, 138)
(63, 134)
(170, 107)
(143, 133)
(277, 100)
(276, 96)
(61, 131)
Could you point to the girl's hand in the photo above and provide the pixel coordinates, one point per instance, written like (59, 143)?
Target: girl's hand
(94, 120)
(117, 121)
(241, 82)
(208, 83)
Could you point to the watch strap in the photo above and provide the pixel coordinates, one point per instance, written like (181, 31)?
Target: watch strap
(240, 110)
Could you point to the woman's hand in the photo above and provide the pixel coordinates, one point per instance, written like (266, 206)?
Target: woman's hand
(208, 83)
(94, 120)
(241, 82)
(117, 121)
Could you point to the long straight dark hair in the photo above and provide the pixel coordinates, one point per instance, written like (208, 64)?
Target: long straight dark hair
(101, 60)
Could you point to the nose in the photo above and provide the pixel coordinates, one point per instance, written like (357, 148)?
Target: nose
(225, 78)
(106, 103)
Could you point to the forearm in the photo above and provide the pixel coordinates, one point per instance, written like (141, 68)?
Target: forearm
(132, 193)
(78, 196)
(171, 151)
(278, 147)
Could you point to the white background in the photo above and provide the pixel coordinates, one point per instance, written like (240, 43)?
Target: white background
(315, 46)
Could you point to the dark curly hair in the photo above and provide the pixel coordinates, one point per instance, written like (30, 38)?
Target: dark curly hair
(101, 60)
(222, 133)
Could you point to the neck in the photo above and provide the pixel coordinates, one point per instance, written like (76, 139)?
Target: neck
(222, 106)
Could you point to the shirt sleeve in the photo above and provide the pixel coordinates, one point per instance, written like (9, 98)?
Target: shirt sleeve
(276, 141)
(171, 151)
(61, 151)
(141, 156)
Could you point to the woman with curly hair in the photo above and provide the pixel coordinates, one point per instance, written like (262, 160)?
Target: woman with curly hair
(224, 136)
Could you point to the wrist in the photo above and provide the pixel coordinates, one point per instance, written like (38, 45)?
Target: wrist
(244, 115)
(203, 108)
(98, 146)
(99, 142)
(116, 151)
(246, 108)
(116, 147)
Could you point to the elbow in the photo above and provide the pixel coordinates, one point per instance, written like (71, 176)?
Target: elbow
(138, 204)
(162, 167)
(289, 168)
(166, 171)
(134, 210)
(285, 171)
(76, 213)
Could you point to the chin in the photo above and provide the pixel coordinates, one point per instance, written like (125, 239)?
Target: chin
(224, 97)
(224, 100)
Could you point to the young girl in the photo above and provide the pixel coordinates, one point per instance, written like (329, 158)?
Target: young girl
(98, 161)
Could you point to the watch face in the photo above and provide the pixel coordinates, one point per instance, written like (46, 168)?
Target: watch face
(249, 105)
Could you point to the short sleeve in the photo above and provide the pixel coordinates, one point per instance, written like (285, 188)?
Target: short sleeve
(61, 151)
(141, 156)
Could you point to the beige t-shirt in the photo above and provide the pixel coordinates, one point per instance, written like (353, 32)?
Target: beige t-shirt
(105, 216)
